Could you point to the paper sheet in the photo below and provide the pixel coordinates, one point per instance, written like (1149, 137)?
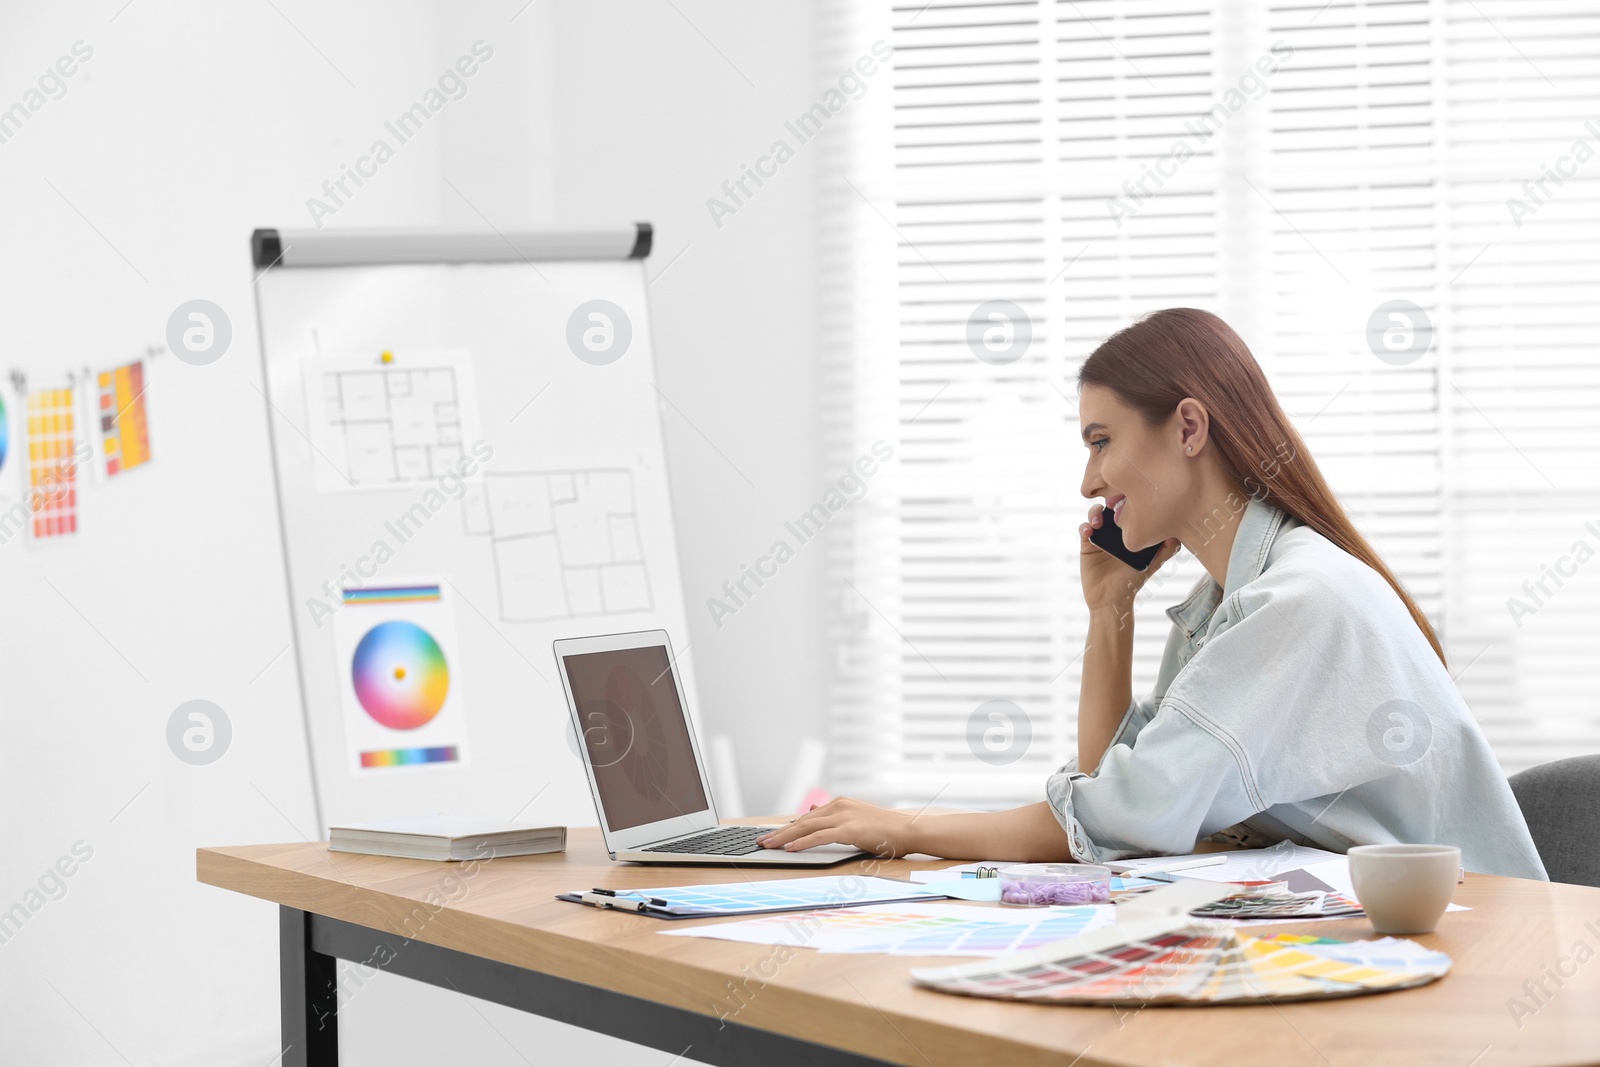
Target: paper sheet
(958, 870)
(566, 544)
(1246, 864)
(124, 422)
(52, 447)
(913, 929)
(401, 677)
(390, 425)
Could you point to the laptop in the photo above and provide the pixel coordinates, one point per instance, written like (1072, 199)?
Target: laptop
(645, 772)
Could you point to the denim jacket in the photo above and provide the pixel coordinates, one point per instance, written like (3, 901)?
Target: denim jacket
(1299, 702)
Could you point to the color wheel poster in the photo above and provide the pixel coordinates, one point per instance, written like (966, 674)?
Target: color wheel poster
(6, 481)
(401, 678)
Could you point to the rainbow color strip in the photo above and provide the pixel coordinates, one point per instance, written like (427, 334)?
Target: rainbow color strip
(393, 594)
(407, 757)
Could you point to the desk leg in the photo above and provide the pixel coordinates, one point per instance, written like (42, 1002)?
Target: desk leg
(308, 991)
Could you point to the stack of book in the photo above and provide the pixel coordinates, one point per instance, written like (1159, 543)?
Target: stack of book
(446, 837)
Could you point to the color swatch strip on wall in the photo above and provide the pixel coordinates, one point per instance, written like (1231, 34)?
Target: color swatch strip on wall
(52, 466)
(406, 757)
(393, 594)
(124, 426)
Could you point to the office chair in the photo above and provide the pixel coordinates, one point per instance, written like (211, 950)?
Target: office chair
(1561, 802)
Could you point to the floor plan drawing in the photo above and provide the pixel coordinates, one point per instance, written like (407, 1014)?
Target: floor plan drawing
(566, 543)
(385, 426)
(398, 425)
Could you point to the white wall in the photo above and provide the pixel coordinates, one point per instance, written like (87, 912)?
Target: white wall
(192, 124)
(652, 120)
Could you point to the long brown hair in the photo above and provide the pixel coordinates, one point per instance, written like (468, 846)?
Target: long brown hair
(1181, 352)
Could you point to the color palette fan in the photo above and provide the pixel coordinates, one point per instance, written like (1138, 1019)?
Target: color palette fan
(1162, 961)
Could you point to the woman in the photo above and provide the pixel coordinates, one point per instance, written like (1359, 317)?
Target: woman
(1303, 695)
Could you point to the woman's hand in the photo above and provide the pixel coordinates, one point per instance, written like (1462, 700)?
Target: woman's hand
(881, 831)
(1107, 581)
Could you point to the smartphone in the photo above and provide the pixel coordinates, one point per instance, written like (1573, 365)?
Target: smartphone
(1109, 537)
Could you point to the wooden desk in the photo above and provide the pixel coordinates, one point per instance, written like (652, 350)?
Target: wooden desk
(495, 932)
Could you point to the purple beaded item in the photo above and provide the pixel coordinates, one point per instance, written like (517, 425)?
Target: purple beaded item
(1039, 884)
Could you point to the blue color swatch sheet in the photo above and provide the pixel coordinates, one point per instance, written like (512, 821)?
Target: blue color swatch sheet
(776, 894)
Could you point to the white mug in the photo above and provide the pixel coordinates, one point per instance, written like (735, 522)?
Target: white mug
(1404, 889)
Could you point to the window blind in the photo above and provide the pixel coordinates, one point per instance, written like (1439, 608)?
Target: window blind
(1521, 214)
(1289, 166)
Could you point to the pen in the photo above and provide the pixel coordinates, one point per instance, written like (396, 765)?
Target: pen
(610, 898)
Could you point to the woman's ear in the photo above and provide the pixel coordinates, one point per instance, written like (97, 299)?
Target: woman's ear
(1194, 425)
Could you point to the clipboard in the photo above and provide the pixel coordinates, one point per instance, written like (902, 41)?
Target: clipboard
(759, 897)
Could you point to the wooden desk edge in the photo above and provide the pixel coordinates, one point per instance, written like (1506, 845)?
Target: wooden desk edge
(688, 986)
(825, 1015)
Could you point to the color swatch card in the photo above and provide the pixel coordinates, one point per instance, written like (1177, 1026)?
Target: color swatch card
(52, 464)
(1188, 961)
(401, 683)
(124, 426)
(1279, 906)
(391, 424)
(933, 929)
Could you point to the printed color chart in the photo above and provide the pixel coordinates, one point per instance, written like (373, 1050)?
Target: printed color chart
(52, 467)
(402, 680)
(406, 757)
(124, 429)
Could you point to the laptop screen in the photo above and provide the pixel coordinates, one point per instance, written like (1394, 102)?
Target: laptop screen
(636, 734)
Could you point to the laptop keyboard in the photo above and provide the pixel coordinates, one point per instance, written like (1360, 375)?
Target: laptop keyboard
(724, 841)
